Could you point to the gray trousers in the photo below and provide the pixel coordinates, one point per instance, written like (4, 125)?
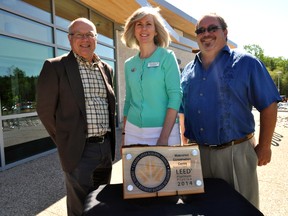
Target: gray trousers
(236, 164)
(93, 170)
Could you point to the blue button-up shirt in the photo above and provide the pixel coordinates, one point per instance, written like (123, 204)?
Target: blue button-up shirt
(217, 102)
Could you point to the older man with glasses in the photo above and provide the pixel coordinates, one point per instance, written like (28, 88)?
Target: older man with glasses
(76, 104)
(220, 87)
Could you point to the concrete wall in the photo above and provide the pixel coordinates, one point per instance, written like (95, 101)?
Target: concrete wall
(123, 53)
(183, 55)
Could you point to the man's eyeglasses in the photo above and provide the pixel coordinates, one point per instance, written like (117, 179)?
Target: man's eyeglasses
(89, 35)
(211, 28)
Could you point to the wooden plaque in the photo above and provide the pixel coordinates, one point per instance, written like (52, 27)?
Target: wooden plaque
(151, 171)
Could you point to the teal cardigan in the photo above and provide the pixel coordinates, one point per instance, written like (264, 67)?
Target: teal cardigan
(152, 86)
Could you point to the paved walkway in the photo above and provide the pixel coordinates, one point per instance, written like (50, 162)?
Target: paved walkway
(37, 187)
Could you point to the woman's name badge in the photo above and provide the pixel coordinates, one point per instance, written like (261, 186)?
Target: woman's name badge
(153, 64)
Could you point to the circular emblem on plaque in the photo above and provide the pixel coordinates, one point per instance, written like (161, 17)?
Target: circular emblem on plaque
(150, 171)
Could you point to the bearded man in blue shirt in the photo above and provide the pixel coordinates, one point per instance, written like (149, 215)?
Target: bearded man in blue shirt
(220, 87)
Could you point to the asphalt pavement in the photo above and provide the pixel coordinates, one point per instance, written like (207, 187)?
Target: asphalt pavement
(37, 187)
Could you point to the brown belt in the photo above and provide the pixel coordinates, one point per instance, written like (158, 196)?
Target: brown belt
(233, 142)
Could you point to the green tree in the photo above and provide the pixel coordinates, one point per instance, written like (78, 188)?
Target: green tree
(277, 67)
(255, 50)
(16, 89)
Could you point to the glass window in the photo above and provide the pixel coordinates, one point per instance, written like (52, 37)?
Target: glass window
(24, 137)
(19, 72)
(62, 52)
(38, 9)
(105, 39)
(62, 39)
(67, 10)
(13, 24)
(104, 27)
(104, 51)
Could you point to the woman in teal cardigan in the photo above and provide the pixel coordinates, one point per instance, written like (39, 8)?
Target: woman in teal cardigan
(153, 92)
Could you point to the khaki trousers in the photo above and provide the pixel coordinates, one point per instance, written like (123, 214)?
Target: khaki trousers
(236, 164)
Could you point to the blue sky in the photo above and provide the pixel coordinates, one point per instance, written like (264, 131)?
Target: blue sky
(261, 22)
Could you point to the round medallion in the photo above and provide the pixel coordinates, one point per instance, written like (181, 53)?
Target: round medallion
(150, 171)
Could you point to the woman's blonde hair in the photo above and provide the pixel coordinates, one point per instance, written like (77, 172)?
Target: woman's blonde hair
(162, 38)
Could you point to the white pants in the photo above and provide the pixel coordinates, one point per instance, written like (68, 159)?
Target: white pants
(149, 136)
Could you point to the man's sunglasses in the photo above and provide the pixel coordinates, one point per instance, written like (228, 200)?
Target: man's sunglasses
(211, 28)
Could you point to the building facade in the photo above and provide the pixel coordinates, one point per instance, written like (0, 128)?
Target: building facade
(32, 31)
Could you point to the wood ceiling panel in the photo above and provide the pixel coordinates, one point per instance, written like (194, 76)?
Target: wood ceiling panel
(120, 10)
(116, 10)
